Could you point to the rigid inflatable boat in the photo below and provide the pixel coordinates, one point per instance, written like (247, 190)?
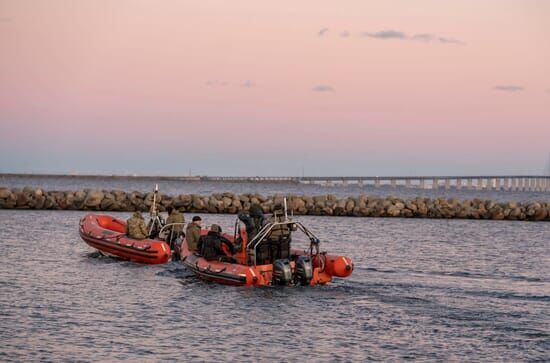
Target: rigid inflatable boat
(108, 236)
(266, 262)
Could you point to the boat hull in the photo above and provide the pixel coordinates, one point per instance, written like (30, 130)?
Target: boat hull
(108, 235)
(229, 273)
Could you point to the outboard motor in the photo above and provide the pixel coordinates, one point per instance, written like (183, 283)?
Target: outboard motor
(304, 270)
(282, 273)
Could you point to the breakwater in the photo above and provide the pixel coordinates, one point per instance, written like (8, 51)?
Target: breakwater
(232, 203)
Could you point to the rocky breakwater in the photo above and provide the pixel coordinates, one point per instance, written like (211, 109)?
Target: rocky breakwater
(323, 205)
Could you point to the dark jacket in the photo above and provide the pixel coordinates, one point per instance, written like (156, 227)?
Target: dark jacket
(211, 245)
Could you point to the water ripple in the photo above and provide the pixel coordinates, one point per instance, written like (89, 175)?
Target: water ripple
(421, 290)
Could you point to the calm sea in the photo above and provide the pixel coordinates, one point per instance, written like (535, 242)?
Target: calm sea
(441, 290)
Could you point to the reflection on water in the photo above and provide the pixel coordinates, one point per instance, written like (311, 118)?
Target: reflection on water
(427, 289)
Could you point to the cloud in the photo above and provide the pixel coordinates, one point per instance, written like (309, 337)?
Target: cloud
(322, 32)
(345, 34)
(450, 41)
(509, 88)
(247, 84)
(422, 37)
(215, 82)
(386, 34)
(323, 88)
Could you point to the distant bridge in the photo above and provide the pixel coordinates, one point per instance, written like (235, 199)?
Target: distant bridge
(538, 183)
(478, 182)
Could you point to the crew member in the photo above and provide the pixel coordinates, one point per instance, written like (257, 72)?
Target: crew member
(211, 244)
(174, 216)
(135, 226)
(193, 233)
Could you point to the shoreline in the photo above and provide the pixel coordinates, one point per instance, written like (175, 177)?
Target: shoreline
(232, 203)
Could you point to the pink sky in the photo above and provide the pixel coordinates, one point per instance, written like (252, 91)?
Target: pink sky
(257, 88)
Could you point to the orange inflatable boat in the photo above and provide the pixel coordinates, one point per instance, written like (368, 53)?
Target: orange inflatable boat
(264, 261)
(108, 236)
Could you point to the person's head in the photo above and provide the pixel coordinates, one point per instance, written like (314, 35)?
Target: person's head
(169, 209)
(197, 220)
(256, 210)
(215, 228)
(137, 214)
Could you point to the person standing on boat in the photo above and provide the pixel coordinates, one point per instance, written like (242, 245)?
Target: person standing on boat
(174, 216)
(135, 227)
(257, 214)
(211, 244)
(193, 233)
(253, 220)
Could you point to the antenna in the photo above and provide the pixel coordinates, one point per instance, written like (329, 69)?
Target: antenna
(286, 211)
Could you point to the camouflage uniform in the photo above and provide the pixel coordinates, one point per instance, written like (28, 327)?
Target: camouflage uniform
(135, 227)
(280, 231)
(176, 217)
(192, 235)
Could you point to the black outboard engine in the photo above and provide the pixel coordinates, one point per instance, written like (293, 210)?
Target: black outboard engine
(304, 270)
(282, 273)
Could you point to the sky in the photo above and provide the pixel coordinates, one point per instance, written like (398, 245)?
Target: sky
(284, 88)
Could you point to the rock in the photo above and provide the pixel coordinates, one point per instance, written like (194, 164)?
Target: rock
(166, 201)
(339, 211)
(80, 196)
(326, 205)
(350, 204)
(319, 200)
(393, 211)
(197, 203)
(237, 204)
(227, 201)
(260, 198)
(278, 200)
(4, 193)
(406, 213)
(49, 203)
(540, 214)
(108, 195)
(39, 202)
(411, 206)
(106, 203)
(120, 195)
(149, 199)
(93, 199)
(22, 199)
(399, 205)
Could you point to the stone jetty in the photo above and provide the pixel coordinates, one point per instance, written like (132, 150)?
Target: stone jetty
(231, 203)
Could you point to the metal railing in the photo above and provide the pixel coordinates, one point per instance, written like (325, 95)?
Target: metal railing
(263, 234)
